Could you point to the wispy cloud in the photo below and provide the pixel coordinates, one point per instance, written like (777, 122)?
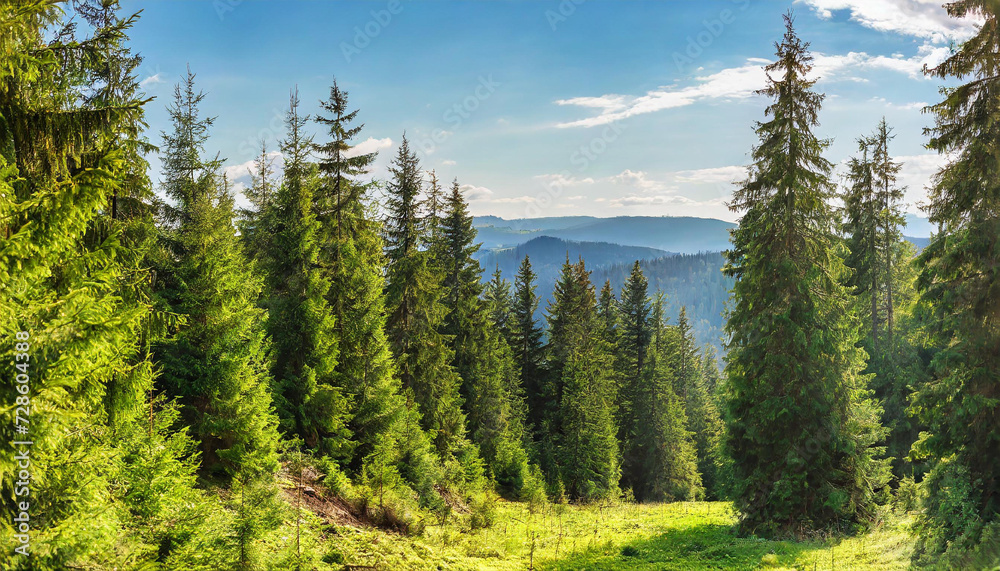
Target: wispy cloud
(369, 145)
(476, 193)
(925, 19)
(234, 173)
(714, 175)
(741, 82)
(152, 80)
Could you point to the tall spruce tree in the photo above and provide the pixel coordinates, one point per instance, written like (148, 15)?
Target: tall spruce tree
(665, 457)
(490, 385)
(527, 346)
(587, 451)
(311, 403)
(416, 312)
(352, 256)
(216, 361)
(703, 419)
(802, 429)
(882, 282)
(499, 302)
(959, 281)
(257, 223)
(632, 350)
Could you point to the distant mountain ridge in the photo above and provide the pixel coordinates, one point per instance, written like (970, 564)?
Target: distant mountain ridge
(678, 234)
(685, 235)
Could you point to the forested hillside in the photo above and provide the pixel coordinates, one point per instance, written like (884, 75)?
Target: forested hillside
(326, 379)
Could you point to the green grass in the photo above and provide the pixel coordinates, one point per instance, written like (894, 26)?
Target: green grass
(679, 536)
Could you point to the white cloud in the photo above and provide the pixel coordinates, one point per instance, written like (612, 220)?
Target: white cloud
(562, 180)
(476, 193)
(605, 102)
(638, 180)
(741, 82)
(737, 82)
(655, 200)
(517, 200)
(235, 172)
(369, 145)
(715, 175)
(926, 19)
(448, 163)
(912, 106)
(152, 80)
(916, 175)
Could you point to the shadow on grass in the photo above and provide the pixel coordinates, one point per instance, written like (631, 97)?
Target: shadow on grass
(703, 546)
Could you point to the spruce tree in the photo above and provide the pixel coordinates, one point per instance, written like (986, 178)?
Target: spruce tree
(801, 427)
(607, 312)
(499, 302)
(565, 307)
(665, 457)
(75, 205)
(341, 194)
(257, 223)
(959, 278)
(527, 346)
(352, 257)
(882, 282)
(633, 346)
(703, 419)
(588, 451)
(416, 313)
(465, 321)
(216, 361)
(312, 405)
(490, 385)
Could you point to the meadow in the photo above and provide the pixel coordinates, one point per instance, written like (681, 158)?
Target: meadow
(617, 536)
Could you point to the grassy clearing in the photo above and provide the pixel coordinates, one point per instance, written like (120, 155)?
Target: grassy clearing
(679, 536)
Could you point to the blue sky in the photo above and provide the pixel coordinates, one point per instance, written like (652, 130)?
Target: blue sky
(549, 108)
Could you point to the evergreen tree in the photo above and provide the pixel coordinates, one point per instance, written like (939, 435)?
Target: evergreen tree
(499, 302)
(802, 429)
(881, 281)
(959, 279)
(588, 448)
(352, 256)
(568, 301)
(340, 196)
(74, 200)
(416, 313)
(464, 321)
(215, 362)
(665, 455)
(311, 404)
(527, 346)
(703, 419)
(633, 347)
(490, 385)
(607, 312)
(257, 223)
(434, 205)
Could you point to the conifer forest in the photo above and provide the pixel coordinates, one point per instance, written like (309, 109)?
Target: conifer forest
(321, 366)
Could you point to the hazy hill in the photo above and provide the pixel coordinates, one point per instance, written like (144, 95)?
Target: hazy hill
(685, 235)
(674, 234)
